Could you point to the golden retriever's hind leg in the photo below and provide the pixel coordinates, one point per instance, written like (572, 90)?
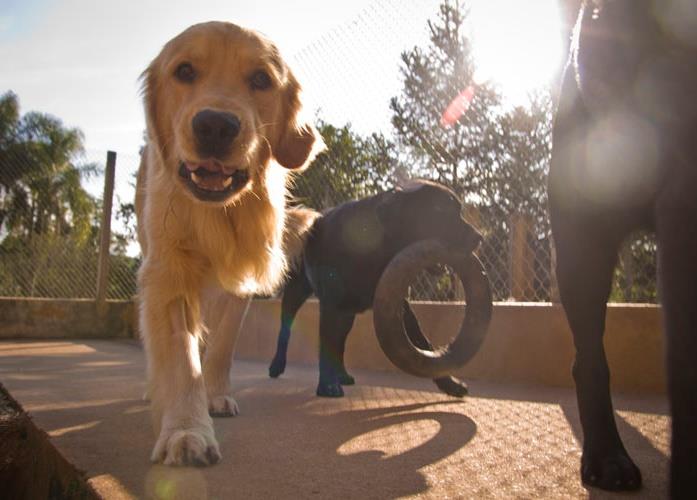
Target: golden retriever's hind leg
(227, 317)
(176, 385)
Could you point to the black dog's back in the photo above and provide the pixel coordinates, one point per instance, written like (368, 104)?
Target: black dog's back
(346, 252)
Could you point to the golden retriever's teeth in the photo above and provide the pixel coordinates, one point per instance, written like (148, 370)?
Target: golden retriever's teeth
(195, 178)
(227, 182)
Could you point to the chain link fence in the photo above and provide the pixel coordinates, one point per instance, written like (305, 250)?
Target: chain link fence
(49, 246)
(60, 264)
(517, 251)
(50, 223)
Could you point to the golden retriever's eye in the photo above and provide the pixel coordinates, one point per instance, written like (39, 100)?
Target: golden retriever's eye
(260, 80)
(185, 72)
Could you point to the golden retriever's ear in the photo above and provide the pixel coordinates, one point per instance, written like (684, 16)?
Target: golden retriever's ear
(298, 143)
(149, 84)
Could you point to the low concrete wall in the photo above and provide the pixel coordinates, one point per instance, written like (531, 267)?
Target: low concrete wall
(527, 342)
(58, 318)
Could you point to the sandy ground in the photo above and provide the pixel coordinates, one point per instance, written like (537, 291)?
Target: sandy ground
(392, 436)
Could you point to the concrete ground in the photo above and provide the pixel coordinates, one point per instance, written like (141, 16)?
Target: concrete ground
(391, 436)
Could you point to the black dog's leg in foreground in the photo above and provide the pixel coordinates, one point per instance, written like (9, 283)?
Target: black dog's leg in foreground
(449, 385)
(334, 326)
(295, 293)
(676, 225)
(585, 264)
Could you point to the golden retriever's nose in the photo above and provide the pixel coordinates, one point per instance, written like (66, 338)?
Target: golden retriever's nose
(215, 131)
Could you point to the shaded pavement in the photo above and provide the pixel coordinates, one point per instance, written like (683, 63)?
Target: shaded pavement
(391, 436)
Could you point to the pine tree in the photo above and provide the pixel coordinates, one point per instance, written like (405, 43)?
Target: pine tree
(460, 156)
(495, 158)
(352, 167)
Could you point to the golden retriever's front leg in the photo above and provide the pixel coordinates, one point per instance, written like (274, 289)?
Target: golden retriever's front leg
(227, 318)
(177, 391)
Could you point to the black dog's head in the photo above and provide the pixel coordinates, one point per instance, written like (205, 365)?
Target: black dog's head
(426, 210)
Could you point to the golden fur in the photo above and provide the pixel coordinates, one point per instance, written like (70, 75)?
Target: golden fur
(201, 257)
(299, 221)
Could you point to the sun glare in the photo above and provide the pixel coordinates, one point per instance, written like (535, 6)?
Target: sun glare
(517, 43)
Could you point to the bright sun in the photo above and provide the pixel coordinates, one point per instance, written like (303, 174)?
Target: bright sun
(517, 43)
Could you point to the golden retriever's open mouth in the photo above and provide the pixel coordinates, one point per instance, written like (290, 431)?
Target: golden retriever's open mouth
(210, 180)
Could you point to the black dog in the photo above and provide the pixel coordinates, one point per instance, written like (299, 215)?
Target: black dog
(347, 250)
(624, 158)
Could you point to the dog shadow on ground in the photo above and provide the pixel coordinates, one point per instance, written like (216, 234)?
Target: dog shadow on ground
(386, 439)
(284, 442)
(652, 461)
(359, 447)
(651, 455)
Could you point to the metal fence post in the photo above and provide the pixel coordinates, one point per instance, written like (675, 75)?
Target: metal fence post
(105, 230)
(520, 258)
(628, 268)
(553, 284)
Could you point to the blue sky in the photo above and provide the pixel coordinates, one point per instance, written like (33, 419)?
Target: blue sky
(17, 17)
(80, 59)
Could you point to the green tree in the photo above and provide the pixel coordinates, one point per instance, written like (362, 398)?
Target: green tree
(49, 223)
(494, 158)
(352, 167)
(635, 276)
(461, 156)
(522, 160)
(40, 184)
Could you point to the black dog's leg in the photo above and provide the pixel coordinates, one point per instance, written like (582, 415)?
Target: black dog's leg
(585, 263)
(449, 385)
(295, 293)
(676, 223)
(345, 378)
(334, 326)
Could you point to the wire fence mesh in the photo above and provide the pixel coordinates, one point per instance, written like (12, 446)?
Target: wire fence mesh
(49, 229)
(356, 80)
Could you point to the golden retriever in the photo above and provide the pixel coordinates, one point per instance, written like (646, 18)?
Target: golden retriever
(223, 128)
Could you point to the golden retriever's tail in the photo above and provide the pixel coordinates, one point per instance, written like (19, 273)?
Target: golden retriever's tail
(299, 221)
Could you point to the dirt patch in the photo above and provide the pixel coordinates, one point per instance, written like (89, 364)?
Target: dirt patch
(30, 466)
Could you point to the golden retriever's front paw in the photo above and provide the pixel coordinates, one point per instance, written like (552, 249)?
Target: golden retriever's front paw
(223, 406)
(186, 447)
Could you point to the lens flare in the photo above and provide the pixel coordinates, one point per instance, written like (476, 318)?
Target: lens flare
(457, 107)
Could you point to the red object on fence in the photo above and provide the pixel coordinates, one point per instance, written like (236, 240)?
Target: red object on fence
(457, 107)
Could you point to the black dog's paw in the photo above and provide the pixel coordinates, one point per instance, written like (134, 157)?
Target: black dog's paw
(452, 386)
(330, 390)
(614, 472)
(277, 367)
(346, 379)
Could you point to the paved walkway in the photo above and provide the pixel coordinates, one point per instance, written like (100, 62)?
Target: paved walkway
(392, 436)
